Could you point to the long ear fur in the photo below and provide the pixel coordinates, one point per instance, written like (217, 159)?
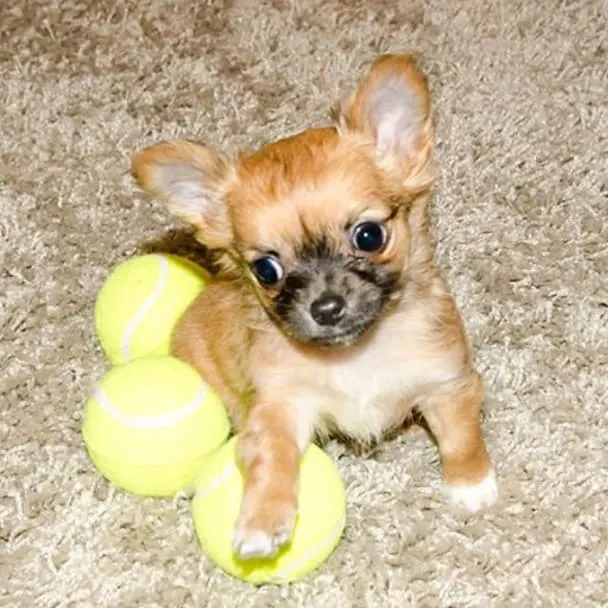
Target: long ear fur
(391, 107)
(190, 179)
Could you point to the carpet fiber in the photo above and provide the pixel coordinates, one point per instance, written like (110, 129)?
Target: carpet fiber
(521, 96)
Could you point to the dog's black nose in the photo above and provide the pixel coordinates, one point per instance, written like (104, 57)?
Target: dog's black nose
(328, 309)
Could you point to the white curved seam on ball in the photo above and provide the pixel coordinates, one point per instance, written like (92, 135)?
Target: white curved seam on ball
(149, 422)
(226, 474)
(334, 533)
(139, 315)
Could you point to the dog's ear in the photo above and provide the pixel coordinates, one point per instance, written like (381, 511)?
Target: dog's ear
(391, 107)
(191, 180)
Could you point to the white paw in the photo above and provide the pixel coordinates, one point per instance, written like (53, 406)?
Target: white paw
(475, 497)
(249, 544)
(255, 544)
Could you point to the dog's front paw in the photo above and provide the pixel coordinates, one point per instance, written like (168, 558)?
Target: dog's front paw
(473, 498)
(263, 528)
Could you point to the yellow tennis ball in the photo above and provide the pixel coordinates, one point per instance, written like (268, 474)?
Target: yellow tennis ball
(141, 301)
(319, 525)
(150, 423)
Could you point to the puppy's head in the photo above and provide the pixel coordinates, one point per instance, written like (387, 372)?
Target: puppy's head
(319, 224)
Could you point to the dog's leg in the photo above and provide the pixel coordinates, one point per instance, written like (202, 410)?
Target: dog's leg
(453, 417)
(269, 450)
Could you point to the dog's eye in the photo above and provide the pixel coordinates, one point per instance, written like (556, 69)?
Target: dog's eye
(268, 270)
(369, 236)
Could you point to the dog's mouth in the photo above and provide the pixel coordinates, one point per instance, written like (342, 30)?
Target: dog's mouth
(342, 337)
(334, 337)
(331, 337)
(347, 331)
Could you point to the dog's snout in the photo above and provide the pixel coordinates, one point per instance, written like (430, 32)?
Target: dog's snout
(328, 309)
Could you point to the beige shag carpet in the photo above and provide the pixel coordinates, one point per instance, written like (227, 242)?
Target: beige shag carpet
(521, 98)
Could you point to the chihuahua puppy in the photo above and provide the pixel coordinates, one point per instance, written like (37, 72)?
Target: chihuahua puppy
(327, 314)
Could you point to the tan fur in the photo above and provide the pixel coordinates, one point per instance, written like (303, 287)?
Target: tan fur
(453, 415)
(281, 393)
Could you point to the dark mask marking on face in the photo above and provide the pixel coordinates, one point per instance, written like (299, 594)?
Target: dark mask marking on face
(316, 248)
(365, 287)
(294, 283)
(377, 275)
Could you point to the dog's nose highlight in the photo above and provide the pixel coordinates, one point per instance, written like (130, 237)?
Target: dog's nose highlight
(328, 309)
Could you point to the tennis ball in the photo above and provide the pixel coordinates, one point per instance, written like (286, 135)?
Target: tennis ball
(141, 301)
(318, 529)
(149, 424)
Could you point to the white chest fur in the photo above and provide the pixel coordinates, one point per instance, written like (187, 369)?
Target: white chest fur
(368, 389)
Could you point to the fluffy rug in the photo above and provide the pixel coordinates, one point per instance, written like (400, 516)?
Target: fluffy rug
(521, 97)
